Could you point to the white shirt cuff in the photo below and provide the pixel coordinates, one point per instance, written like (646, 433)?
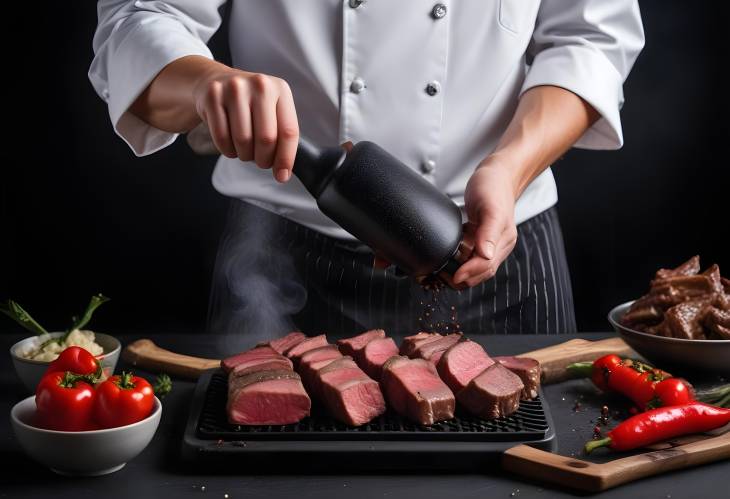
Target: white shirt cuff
(585, 71)
(141, 55)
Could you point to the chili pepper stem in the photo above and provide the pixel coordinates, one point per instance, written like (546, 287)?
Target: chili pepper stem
(594, 444)
(581, 369)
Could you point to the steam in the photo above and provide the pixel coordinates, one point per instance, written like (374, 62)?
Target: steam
(256, 288)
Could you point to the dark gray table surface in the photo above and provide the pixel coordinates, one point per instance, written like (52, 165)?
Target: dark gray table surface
(159, 472)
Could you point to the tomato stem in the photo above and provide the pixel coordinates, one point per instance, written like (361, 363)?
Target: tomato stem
(125, 381)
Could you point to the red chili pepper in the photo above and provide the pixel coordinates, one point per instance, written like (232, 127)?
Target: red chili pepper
(631, 378)
(672, 391)
(662, 424)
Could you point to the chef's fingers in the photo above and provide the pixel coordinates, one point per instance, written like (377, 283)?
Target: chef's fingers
(479, 269)
(265, 96)
(288, 134)
(214, 114)
(239, 118)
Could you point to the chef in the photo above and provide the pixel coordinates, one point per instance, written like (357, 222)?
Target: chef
(479, 97)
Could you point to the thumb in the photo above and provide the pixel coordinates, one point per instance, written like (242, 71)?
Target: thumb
(487, 237)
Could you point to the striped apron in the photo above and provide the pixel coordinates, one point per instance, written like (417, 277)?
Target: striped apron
(273, 275)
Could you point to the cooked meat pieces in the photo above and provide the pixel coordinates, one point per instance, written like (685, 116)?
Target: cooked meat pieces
(411, 343)
(718, 322)
(492, 394)
(527, 369)
(433, 350)
(461, 363)
(372, 357)
(679, 301)
(262, 352)
(690, 267)
(264, 364)
(267, 398)
(350, 346)
(287, 342)
(312, 360)
(348, 393)
(414, 390)
(299, 349)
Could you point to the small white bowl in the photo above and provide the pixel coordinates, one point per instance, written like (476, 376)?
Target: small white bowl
(30, 371)
(82, 453)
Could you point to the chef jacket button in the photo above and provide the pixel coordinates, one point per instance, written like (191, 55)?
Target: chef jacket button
(433, 88)
(438, 11)
(428, 166)
(357, 85)
(354, 4)
(105, 93)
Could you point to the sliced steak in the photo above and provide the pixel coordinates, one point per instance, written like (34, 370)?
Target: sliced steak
(311, 361)
(350, 346)
(267, 398)
(309, 344)
(690, 267)
(287, 342)
(272, 364)
(375, 354)
(261, 352)
(411, 343)
(527, 369)
(461, 363)
(414, 390)
(348, 393)
(433, 350)
(492, 394)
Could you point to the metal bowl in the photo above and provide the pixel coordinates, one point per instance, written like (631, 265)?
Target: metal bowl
(30, 371)
(705, 355)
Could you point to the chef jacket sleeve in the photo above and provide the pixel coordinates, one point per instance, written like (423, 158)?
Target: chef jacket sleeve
(134, 41)
(588, 47)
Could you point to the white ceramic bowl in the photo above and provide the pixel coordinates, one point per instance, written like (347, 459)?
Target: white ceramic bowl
(31, 371)
(82, 453)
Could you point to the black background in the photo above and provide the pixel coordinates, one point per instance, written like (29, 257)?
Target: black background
(80, 214)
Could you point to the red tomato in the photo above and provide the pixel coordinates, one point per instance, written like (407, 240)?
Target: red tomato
(75, 359)
(674, 391)
(123, 400)
(65, 402)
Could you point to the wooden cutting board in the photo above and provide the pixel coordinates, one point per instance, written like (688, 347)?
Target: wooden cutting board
(145, 354)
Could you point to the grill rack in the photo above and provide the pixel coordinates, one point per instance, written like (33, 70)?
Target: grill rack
(528, 423)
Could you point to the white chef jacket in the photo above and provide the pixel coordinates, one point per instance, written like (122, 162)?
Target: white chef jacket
(435, 83)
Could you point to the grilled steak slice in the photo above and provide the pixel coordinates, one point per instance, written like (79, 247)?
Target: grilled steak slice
(690, 267)
(267, 398)
(350, 346)
(414, 390)
(433, 350)
(348, 393)
(287, 342)
(411, 343)
(312, 360)
(272, 364)
(461, 363)
(527, 369)
(309, 344)
(492, 394)
(685, 319)
(261, 352)
(375, 354)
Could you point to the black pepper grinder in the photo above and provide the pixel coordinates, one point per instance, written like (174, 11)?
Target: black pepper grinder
(384, 204)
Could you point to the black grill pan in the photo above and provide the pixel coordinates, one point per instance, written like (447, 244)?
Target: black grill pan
(389, 441)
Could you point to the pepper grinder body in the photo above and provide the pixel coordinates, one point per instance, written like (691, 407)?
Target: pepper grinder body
(384, 204)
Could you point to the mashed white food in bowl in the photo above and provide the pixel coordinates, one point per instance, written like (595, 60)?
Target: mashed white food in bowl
(47, 348)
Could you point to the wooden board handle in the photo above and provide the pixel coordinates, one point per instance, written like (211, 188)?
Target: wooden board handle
(554, 359)
(145, 354)
(592, 477)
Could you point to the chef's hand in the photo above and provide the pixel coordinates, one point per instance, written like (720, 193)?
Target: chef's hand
(490, 204)
(251, 116)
